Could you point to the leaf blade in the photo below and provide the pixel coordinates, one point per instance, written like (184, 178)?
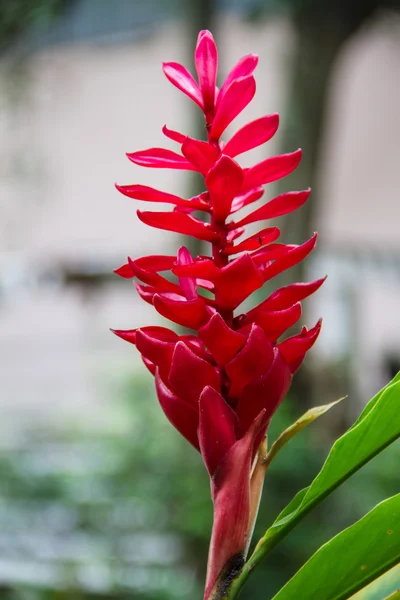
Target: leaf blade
(352, 559)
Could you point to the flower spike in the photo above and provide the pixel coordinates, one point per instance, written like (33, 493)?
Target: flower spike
(220, 384)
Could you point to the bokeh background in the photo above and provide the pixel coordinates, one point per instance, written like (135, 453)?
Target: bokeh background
(99, 498)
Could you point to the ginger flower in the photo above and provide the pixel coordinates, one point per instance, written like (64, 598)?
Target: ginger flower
(220, 383)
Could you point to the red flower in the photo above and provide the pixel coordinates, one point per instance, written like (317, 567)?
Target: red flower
(221, 385)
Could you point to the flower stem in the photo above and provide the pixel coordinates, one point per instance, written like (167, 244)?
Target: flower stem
(235, 573)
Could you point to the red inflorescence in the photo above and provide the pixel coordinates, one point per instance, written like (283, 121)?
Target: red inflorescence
(220, 386)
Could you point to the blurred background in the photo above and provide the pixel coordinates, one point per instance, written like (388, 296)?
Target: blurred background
(99, 497)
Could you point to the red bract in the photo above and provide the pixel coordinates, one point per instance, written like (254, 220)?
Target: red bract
(220, 385)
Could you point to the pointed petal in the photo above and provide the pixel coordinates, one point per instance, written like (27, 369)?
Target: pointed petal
(287, 296)
(183, 80)
(274, 323)
(129, 335)
(146, 292)
(252, 135)
(265, 236)
(221, 340)
(149, 365)
(245, 66)
(203, 283)
(216, 428)
(146, 267)
(153, 262)
(234, 234)
(197, 346)
(290, 258)
(281, 205)
(223, 181)
(159, 351)
(206, 61)
(149, 194)
(203, 268)
(246, 198)
(190, 374)
(267, 392)
(235, 99)
(253, 361)
(192, 314)
(162, 333)
(182, 415)
(187, 284)
(263, 257)
(179, 223)
(160, 158)
(295, 348)
(236, 282)
(125, 271)
(174, 135)
(200, 154)
(200, 202)
(271, 169)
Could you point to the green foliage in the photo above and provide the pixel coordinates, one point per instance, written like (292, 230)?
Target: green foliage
(119, 514)
(352, 559)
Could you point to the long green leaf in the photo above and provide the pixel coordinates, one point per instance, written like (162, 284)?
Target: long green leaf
(376, 428)
(352, 559)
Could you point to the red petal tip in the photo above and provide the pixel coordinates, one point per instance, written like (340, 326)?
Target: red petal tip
(125, 271)
(129, 335)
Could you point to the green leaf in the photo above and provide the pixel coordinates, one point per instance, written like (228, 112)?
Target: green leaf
(376, 428)
(374, 400)
(352, 559)
(309, 417)
(379, 427)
